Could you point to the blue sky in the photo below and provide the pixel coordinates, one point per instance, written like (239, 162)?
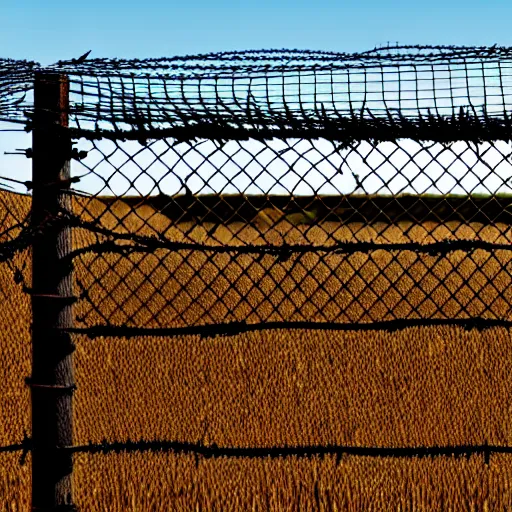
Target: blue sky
(49, 30)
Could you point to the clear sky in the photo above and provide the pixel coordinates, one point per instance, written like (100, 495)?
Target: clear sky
(49, 30)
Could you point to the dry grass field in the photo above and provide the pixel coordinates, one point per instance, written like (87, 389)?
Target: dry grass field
(420, 386)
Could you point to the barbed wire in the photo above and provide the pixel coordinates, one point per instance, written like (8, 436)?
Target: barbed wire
(202, 451)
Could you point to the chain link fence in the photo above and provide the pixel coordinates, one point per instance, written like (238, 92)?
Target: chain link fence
(221, 193)
(293, 188)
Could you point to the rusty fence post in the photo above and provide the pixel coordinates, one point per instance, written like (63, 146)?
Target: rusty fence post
(52, 380)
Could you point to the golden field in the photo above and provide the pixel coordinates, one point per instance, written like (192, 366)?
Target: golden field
(421, 386)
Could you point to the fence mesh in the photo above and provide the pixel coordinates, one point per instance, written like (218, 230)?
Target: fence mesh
(226, 192)
(287, 187)
(220, 193)
(313, 242)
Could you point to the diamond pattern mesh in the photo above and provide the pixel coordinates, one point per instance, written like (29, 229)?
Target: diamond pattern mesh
(178, 234)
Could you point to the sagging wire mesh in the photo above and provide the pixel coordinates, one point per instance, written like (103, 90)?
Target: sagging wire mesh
(16, 82)
(437, 93)
(442, 93)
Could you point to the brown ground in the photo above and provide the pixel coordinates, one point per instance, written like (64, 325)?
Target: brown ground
(417, 386)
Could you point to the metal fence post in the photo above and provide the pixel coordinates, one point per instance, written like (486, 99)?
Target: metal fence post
(52, 381)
